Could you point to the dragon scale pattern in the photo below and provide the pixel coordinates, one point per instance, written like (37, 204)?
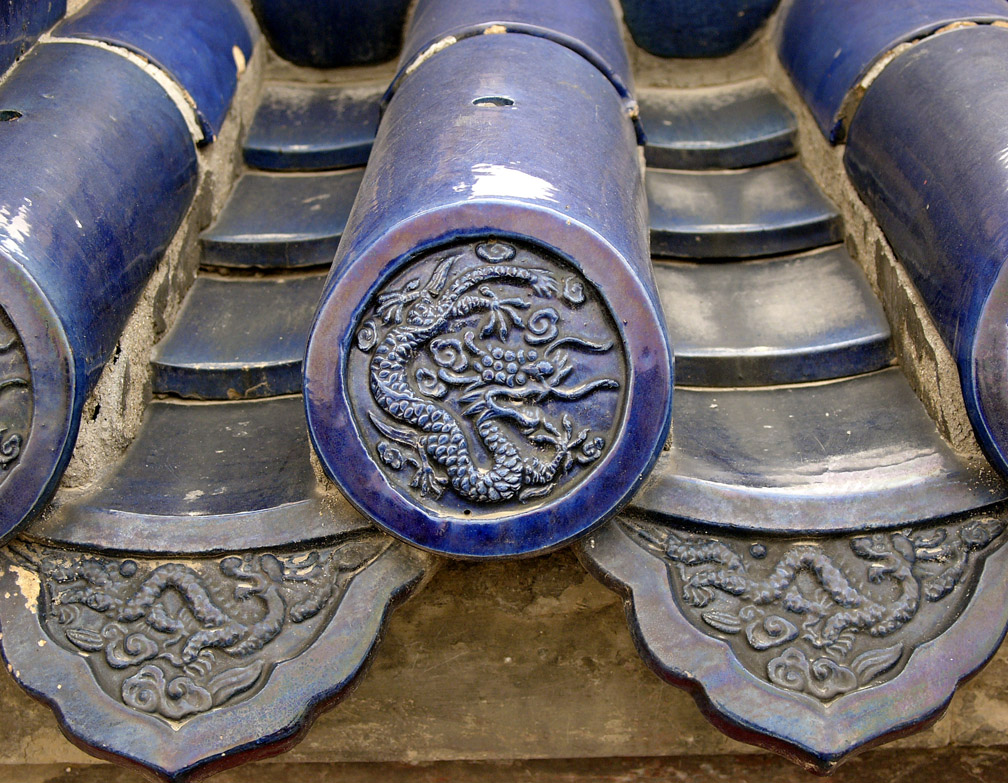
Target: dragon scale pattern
(826, 616)
(417, 318)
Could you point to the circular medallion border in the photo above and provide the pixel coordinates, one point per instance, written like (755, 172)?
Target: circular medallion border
(369, 439)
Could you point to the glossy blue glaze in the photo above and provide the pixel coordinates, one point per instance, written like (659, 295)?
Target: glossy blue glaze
(303, 127)
(98, 171)
(192, 40)
(927, 153)
(21, 23)
(768, 210)
(308, 668)
(279, 221)
(725, 127)
(694, 28)
(207, 476)
(786, 319)
(223, 346)
(509, 153)
(829, 47)
(332, 33)
(588, 27)
(848, 455)
(942, 647)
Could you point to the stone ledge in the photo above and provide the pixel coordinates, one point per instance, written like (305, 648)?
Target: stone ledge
(881, 766)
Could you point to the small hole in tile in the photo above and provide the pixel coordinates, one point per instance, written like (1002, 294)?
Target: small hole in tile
(493, 100)
(467, 512)
(9, 115)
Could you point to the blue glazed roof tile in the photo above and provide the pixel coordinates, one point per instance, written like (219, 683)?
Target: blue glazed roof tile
(828, 47)
(202, 44)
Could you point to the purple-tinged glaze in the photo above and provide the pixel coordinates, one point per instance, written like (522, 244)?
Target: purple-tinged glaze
(510, 157)
(926, 151)
(99, 169)
(202, 44)
(828, 47)
(760, 679)
(588, 27)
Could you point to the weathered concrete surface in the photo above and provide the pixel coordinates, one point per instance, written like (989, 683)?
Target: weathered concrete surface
(505, 661)
(979, 715)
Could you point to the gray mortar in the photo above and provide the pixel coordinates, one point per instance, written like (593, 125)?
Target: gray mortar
(113, 412)
(73, 6)
(279, 70)
(652, 71)
(922, 353)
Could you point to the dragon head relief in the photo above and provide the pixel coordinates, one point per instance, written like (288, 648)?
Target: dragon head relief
(826, 616)
(494, 375)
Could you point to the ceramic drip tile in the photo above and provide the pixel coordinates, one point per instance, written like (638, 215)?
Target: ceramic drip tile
(854, 454)
(768, 210)
(205, 477)
(238, 338)
(732, 126)
(815, 647)
(299, 127)
(184, 666)
(279, 221)
(786, 319)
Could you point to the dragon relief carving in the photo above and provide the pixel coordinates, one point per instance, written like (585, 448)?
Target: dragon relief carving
(477, 385)
(826, 617)
(16, 404)
(176, 639)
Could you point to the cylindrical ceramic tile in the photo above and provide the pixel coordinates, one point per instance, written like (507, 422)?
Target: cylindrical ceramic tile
(99, 170)
(488, 373)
